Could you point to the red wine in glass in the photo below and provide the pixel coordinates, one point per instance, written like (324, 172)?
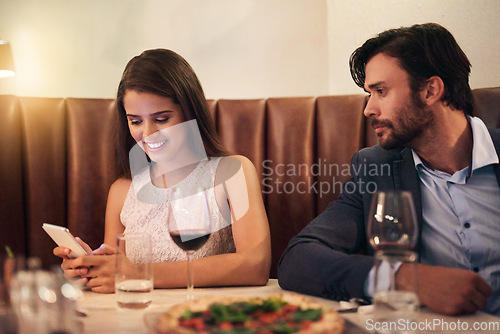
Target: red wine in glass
(190, 226)
(190, 240)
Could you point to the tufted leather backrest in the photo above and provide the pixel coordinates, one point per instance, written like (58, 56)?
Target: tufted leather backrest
(487, 106)
(56, 160)
(90, 165)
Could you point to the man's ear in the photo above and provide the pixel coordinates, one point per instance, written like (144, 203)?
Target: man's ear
(433, 90)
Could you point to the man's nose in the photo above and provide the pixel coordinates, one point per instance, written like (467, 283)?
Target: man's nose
(371, 108)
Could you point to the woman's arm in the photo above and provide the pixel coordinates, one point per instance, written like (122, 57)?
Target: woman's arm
(116, 198)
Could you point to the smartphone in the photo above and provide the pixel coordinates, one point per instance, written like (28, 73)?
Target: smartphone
(63, 237)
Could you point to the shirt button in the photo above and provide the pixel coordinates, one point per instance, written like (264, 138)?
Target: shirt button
(466, 225)
(476, 269)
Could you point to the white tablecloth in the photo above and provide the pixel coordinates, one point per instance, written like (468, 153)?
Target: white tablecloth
(104, 316)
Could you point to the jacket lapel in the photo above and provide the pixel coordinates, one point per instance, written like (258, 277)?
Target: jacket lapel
(496, 143)
(406, 178)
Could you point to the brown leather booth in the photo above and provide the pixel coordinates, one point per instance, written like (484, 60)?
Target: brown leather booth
(56, 160)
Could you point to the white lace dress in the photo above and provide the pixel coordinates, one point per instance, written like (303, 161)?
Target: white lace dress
(146, 209)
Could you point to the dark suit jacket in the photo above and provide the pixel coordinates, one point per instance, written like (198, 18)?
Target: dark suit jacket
(332, 257)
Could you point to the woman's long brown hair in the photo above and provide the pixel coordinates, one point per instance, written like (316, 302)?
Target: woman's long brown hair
(165, 73)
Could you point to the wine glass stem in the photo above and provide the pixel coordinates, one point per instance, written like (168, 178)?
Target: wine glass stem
(190, 279)
(392, 276)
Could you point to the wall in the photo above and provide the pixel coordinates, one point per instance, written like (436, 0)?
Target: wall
(475, 25)
(240, 49)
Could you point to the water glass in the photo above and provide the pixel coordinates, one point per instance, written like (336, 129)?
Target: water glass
(44, 301)
(134, 272)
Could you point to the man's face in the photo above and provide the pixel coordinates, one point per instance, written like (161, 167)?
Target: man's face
(397, 117)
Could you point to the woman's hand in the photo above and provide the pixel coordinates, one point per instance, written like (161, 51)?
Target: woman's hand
(70, 265)
(100, 270)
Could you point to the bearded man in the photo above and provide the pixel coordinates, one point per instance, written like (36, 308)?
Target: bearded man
(420, 105)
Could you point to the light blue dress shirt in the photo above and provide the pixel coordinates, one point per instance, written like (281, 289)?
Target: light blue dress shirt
(461, 215)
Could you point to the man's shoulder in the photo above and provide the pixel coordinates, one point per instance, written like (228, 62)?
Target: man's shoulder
(377, 154)
(495, 134)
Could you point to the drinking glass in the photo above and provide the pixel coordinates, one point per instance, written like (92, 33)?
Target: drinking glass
(134, 270)
(392, 231)
(392, 223)
(189, 226)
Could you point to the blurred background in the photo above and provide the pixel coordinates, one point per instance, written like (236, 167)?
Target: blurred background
(239, 48)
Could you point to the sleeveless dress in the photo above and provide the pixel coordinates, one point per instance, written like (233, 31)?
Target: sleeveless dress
(148, 208)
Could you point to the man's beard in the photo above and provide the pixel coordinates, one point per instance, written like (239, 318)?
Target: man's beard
(410, 123)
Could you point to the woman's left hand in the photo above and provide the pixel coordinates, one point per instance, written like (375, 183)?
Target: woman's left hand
(101, 269)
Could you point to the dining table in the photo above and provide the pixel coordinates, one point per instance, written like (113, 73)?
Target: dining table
(99, 313)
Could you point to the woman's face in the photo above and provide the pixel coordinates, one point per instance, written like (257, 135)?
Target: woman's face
(149, 118)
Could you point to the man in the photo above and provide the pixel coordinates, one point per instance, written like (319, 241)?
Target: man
(420, 105)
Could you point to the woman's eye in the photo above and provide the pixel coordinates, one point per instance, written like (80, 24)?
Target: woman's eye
(161, 120)
(135, 122)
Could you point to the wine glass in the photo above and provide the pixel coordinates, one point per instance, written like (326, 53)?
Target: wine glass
(392, 223)
(392, 231)
(189, 226)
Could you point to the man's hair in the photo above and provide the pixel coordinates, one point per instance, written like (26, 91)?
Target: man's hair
(423, 51)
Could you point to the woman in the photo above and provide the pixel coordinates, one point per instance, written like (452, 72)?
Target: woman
(162, 111)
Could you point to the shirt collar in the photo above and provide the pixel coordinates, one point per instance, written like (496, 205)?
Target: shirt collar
(483, 150)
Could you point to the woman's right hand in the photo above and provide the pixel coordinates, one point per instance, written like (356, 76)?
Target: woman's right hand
(72, 266)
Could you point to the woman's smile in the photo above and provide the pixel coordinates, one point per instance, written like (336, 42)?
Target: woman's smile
(155, 146)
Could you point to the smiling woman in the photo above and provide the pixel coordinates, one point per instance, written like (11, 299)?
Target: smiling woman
(167, 145)
(149, 116)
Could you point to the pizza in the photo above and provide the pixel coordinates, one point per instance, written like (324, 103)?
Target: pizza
(279, 313)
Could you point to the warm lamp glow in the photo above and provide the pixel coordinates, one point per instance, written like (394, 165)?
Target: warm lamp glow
(6, 60)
